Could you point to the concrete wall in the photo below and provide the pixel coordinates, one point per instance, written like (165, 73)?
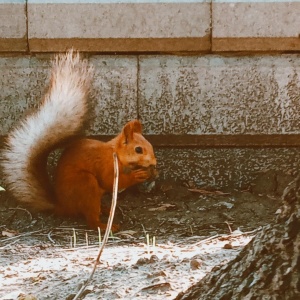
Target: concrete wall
(220, 115)
(220, 95)
(193, 95)
(184, 96)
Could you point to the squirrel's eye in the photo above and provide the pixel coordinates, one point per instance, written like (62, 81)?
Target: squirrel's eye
(138, 150)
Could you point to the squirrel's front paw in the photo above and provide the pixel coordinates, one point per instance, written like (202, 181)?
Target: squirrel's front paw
(140, 175)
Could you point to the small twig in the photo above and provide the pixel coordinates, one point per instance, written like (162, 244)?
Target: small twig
(74, 238)
(191, 230)
(206, 240)
(50, 238)
(229, 227)
(145, 232)
(205, 192)
(8, 245)
(108, 226)
(86, 240)
(121, 210)
(21, 235)
(23, 209)
(226, 236)
(246, 232)
(99, 236)
(61, 228)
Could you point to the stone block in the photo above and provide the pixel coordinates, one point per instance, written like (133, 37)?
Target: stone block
(26, 78)
(220, 95)
(22, 86)
(115, 93)
(119, 26)
(13, 28)
(234, 168)
(255, 25)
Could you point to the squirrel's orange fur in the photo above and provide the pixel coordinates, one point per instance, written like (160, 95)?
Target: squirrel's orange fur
(85, 169)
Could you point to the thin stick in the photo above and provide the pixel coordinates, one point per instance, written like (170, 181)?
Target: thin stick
(226, 236)
(21, 235)
(22, 209)
(86, 239)
(74, 237)
(99, 237)
(205, 192)
(108, 226)
(229, 227)
(50, 238)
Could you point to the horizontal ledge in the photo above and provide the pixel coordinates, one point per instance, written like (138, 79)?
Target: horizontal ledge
(214, 141)
(220, 140)
(256, 44)
(148, 45)
(194, 44)
(13, 44)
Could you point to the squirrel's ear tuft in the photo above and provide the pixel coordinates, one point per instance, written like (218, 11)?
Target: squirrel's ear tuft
(136, 126)
(131, 127)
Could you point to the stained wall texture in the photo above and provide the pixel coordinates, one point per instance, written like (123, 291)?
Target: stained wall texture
(173, 95)
(214, 68)
(224, 95)
(181, 95)
(232, 168)
(25, 80)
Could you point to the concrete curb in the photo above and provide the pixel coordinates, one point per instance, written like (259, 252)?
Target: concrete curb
(149, 26)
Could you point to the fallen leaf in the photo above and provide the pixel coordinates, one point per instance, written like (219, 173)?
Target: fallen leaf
(9, 233)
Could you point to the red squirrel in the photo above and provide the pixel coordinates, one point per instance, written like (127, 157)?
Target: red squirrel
(85, 170)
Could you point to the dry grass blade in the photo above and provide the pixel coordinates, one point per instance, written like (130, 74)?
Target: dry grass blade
(21, 235)
(109, 224)
(205, 192)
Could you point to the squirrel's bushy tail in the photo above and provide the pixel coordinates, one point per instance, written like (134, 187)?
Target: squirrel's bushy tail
(60, 116)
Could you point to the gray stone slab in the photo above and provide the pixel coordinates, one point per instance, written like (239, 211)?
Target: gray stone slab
(123, 26)
(22, 84)
(115, 93)
(226, 168)
(220, 95)
(255, 25)
(26, 78)
(13, 28)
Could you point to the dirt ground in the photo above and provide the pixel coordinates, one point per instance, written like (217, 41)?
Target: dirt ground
(169, 238)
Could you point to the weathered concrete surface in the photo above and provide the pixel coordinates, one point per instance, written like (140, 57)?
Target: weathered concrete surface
(223, 169)
(220, 95)
(255, 25)
(25, 79)
(227, 167)
(173, 95)
(22, 84)
(13, 28)
(115, 93)
(181, 95)
(119, 26)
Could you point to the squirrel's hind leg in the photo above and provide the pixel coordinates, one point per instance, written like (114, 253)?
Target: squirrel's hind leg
(81, 195)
